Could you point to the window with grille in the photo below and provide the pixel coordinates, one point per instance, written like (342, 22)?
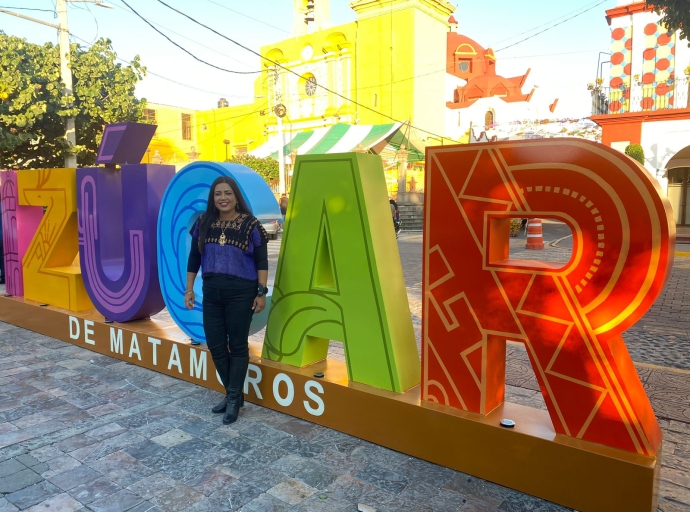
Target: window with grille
(186, 126)
(150, 115)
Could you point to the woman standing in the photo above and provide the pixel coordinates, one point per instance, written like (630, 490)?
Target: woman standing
(230, 246)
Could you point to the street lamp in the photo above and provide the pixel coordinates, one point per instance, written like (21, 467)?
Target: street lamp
(65, 68)
(440, 139)
(227, 143)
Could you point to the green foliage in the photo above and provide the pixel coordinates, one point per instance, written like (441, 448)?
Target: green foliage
(266, 167)
(635, 152)
(675, 14)
(33, 111)
(515, 225)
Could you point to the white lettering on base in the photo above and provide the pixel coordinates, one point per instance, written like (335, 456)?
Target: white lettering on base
(174, 359)
(88, 331)
(197, 368)
(74, 328)
(134, 346)
(253, 380)
(290, 396)
(309, 387)
(116, 344)
(155, 343)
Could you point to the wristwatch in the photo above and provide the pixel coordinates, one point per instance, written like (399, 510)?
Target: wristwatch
(262, 290)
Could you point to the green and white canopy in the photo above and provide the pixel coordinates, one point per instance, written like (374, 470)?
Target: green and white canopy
(341, 138)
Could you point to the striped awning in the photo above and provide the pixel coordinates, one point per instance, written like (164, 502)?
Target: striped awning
(339, 138)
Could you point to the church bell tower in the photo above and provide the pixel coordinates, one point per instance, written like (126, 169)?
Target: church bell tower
(310, 16)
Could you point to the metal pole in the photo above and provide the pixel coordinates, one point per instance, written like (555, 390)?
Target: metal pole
(281, 136)
(281, 156)
(66, 73)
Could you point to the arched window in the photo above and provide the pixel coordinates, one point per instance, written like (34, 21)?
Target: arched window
(489, 119)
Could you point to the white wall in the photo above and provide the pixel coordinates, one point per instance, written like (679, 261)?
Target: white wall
(660, 141)
(474, 115)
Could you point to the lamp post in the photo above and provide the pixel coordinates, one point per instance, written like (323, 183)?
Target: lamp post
(401, 158)
(65, 68)
(227, 143)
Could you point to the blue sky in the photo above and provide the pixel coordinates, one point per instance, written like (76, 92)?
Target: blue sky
(563, 59)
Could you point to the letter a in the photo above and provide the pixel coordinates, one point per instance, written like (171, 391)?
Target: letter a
(339, 275)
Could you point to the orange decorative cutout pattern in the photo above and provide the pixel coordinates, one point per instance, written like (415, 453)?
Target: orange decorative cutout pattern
(570, 317)
(51, 265)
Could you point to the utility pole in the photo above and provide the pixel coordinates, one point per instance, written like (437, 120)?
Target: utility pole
(66, 74)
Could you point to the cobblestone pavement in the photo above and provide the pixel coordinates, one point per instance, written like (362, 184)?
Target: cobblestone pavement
(661, 337)
(82, 431)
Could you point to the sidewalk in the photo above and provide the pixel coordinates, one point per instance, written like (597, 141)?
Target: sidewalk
(81, 431)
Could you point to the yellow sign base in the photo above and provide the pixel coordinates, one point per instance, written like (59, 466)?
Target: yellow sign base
(530, 457)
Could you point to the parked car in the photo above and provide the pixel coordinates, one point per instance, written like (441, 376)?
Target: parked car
(272, 227)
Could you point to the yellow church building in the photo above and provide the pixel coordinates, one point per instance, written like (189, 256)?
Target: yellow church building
(374, 84)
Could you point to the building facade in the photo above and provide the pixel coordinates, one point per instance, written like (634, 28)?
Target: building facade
(644, 100)
(400, 61)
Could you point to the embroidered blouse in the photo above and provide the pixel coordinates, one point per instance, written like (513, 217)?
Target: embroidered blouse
(236, 248)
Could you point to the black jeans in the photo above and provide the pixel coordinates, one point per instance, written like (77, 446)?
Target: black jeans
(227, 306)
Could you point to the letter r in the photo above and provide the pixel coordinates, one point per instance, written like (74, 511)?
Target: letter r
(569, 317)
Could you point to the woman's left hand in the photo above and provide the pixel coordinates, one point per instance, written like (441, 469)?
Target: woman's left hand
(259, 304)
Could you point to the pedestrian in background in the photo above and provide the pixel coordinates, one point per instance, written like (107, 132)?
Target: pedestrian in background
(231, 248)
(283, 206)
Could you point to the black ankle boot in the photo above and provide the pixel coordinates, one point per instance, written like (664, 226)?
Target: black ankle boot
(220, 408)
(223, 370)
(235, 396)
(232, 412)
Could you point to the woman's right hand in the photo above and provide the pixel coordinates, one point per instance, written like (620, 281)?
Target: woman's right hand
(189, 300)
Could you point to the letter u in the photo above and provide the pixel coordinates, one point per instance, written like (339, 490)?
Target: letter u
(118, 217)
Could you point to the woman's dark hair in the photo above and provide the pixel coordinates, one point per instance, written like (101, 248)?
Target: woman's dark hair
(211, 214)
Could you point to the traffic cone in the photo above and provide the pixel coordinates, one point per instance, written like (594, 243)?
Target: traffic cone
(535, 239)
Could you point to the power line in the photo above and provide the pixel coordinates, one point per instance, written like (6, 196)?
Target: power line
(219, 121)
(247, 16)
(149, 72)
(542, 25)
(117, 6)
(184, 85)
(235, 72)
(27, 9)
(86, 8)
(289, 70)
(445, 69)
(552, 26)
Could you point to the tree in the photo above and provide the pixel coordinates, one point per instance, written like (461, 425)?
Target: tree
(266, 167)
(635, 152)
(33, 110)
(675, 15)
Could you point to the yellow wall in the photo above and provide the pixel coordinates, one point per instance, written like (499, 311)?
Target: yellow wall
(242, 126)
(401, 48)
(168, 139)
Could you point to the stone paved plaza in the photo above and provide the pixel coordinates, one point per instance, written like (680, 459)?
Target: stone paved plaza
(82, 431)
